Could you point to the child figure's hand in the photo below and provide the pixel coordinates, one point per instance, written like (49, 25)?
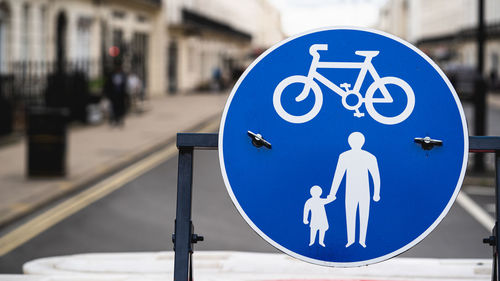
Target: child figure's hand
(331, 197)
(306, 221)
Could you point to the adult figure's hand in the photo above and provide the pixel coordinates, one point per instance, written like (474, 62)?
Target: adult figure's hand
(376, 197)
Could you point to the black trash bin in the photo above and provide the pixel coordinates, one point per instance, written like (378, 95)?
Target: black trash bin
(6, 117)
(47, 141)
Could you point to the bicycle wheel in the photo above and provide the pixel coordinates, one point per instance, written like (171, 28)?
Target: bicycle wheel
(318, 99)
(410, 101)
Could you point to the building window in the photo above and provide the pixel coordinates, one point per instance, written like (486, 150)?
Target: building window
(83, 38)
(4, 36)
(43, 32)
(405, 5)
(139, 52)
(118, 38)
(495, 65)
(25, 33)
(142, 19)
(118, 14)
(191, 58)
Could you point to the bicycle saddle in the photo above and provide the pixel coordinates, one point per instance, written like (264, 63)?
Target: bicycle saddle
(367, 53)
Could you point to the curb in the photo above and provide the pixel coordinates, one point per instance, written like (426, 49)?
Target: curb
(66, 188)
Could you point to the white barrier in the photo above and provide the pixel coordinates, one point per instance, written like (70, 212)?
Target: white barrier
(243, 266)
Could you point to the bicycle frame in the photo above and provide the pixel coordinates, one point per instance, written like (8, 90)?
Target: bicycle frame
(351, 98)
(365, 66)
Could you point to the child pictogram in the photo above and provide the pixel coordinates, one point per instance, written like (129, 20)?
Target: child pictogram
(319, 222)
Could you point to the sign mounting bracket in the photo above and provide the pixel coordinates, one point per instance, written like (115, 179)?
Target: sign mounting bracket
(184, 236)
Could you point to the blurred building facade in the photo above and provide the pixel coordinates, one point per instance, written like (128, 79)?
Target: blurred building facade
(445, 29)
(214, 39)
(169, 44)
(41, 34)
(58, 53)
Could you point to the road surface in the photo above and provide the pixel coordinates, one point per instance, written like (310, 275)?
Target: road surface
(139, 216)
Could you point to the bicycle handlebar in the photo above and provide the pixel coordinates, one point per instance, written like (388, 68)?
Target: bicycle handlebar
(317, 47)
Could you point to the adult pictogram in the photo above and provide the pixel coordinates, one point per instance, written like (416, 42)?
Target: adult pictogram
(357, 165)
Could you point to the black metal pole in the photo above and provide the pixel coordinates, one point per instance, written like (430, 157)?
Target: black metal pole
(496, 250)
(480, 106)
(182, 235)
(480, 37)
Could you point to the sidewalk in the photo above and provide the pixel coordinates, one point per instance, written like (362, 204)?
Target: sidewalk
(95, 151)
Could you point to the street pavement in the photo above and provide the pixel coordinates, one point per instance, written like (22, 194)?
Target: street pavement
(138, 215)
(95, 151)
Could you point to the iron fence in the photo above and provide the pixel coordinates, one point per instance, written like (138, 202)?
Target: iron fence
(25, 84)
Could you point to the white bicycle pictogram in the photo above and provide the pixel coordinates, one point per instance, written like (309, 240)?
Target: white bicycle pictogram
(379, 83)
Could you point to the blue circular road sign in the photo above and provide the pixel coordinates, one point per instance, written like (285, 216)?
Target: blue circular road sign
(343, 146)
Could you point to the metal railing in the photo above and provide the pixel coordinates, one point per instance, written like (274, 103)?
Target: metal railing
(41, 83)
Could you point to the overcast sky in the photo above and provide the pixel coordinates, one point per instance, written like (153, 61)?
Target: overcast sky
(301, 15)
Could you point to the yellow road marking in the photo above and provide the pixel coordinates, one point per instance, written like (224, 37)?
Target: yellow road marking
(19, 207)
(54, 215)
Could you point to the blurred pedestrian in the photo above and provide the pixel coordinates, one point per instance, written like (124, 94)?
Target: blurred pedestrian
(116, 91)
(494, 83)
(136, 91)
(217, 79)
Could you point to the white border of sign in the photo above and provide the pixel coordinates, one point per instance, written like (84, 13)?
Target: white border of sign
(346, 264)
